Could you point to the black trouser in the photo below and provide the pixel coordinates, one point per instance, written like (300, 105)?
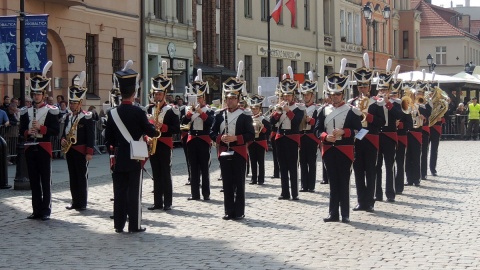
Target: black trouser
(233, 170)
(161, 163)
(424, 160)
(39, 172)
(434, 141)
(185, 151)
(400, 168)
(324, 172)
(127, 191)
(199, 155)
(339, 169)
(472, 128)
(78, 173)
(276, 166)
(386, 152)
(412, 159)
(308, 162)
(287, 150)
(257, 157)
(364, 167)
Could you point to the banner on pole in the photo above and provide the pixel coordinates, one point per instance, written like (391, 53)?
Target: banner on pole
(35, 51)
(8, 43)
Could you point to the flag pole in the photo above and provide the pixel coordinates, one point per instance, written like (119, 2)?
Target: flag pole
(269, 64)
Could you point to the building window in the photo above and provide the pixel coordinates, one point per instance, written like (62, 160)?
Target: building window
(306, 8)
(117, 54)
(395, 45)
(326, 17)
(264, 67)
(91, 63)
(343, 32)
(264, 10)
(217, 42)
(181, 11)
(441, 55)
(306, 67)
(294, 67)
(248, 8)
(350, 27)
(158, 7)
(199, 2)
(280, 68)
(405, 44)
(248, 72)
(358, 29)
(199, 46)
(217, 4)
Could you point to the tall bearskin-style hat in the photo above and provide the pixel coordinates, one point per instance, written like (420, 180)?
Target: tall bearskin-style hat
(310, 85)
(364, 75)
(76, 92)
(396, 83)
(337, 82)
(127, 79)
(198, 87)
(422, 85)
(235, 86)
(385, 77)
(39, 83)
(257, 99)
(432, 83)
(161, 82)
(289, 86)
(411, 85)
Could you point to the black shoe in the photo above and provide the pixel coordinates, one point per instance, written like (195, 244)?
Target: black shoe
(424, 177)
(261, 183)
(303, 190)
(295, 198)
(239, 217)
(417, 184)
(138, 230)
(359, 208)
(283, 198)
(193, 199)
(70, 207)
(206, 198)
(378, 199)
(112, 217)
(311, 190)
(81, 208)
(119, 230)
(434, 173)
(221, 190)
(331, 219)
(390, 200)
(252, 183)
(45, 217)
(188, 183)
(408, 184)
(227, 217)
(34, 216)
(398, 192)
(154, 207)
(167, 208)
(324, 182)
(220, 179)
(370, 209)
(6, 187)
(345, 220)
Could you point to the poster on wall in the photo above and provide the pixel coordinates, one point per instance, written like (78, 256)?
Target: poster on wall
(8, 44)
(35, 37)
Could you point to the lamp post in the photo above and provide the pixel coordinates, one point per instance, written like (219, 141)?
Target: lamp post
(431, 65)
(368, 12)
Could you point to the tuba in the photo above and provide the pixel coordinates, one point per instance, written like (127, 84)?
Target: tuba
(440, 105)
(257, 126)
(153, 146)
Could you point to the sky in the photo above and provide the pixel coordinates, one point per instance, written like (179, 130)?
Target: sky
(446, 3)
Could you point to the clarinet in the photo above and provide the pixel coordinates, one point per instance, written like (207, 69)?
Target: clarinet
(34, 119)
(226, 129)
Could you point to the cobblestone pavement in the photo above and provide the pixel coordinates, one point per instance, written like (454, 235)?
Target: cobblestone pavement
(435, 226)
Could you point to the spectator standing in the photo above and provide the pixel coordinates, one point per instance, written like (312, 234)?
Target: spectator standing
(461, 119)
(473, 119)
(6, 103)
(60, 98)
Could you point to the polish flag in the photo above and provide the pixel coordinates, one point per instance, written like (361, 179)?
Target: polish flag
(292, 6)
(277, 11)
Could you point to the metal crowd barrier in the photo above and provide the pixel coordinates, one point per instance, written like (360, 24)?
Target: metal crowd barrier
(455, 126)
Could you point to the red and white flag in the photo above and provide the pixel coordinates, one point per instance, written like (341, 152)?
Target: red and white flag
(277, 11)
(292, 6)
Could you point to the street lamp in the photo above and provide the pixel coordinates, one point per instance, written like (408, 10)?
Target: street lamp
(431, 65)
(368, 12)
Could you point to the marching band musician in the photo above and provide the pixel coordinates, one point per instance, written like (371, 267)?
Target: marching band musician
(404, 124)
(388, 135)
(199, 118)
(167, 116)
(425, 109)
(273, 134)
(78, 140)
(232, 129)
(37, 124)
(414, 139)
(127, 172)
(308, 142)
(288, 137)
(336, 126)
(258, 147)
(366, 150)
(435, 132)
(327, 101)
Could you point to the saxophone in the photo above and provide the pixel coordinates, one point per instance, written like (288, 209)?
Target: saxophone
(363, 107)
(71, 137)
(153, 146)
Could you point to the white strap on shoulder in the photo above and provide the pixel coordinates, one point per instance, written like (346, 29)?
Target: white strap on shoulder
(120, 125)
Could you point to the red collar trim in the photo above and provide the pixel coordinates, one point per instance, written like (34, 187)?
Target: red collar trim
(41, 105)
(127, 102)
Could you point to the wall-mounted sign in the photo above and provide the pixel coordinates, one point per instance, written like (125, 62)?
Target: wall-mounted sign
(279, 53)
(152, 47)
(179, 64)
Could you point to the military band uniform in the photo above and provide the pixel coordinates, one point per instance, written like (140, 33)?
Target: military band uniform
(256, 151)
(288, 143)
(308, 151)
(233, 168)
(161, 160)
(183, 139)
(198, 149)
(412, 156)
(425, 110)
(404, 125)
(338, 156)
(435, 134)
(39, 156)
(273, 134)
(387, 149)
(76, 156)
(127, 172)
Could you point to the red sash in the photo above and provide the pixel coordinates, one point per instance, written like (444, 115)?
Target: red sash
(437, 128)
(82, 149)
(206, 138)
(295, 137)
(403, 140)
(312, 136)
(426, 129)
(183, 134)
(374, 139)
(47, 146)
(273, 134)
(240, 149)
(167, 141)
(391, 135)
(347, 150)
(417, 135)
(262, 143)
